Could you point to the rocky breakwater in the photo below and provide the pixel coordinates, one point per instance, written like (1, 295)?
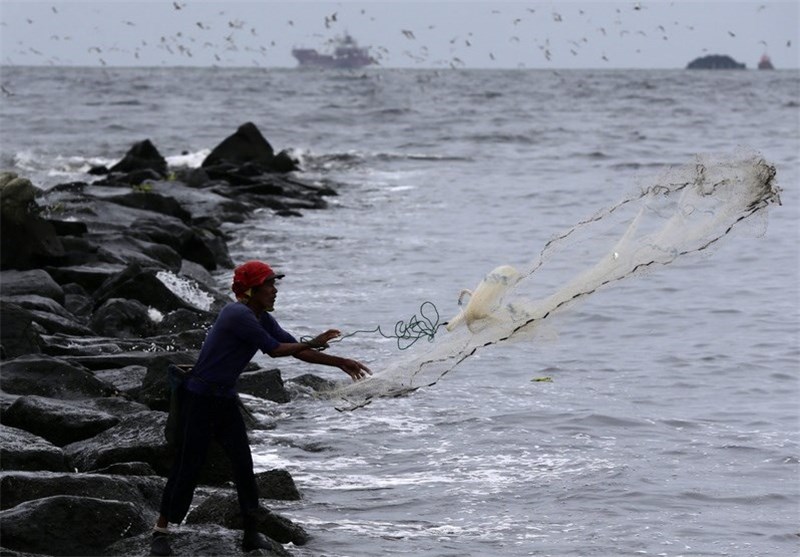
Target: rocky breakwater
(102, 286)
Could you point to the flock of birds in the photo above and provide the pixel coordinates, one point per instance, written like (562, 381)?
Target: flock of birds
(190, 42)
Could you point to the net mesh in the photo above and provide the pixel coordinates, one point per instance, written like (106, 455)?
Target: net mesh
(682, 212)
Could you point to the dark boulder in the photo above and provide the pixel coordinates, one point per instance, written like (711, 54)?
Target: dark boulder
(50, 377)
(205, 539)
(26, 451)
(145, 358)
(69, 525)
(127, 379)
(153, 202)
(20, 487)
(246, 145)
(34, 281)
(198, 244)
(122, 318)
(277, 484)
(142, 155)
(127, 469)
(143, 285)
(54, 323)
(223, 509)
(140, 438)
(715, 62)
(19, 333)
(69, 228)
(183, 320)
(56, 421)
(284, 162)
(19, 218)
(124, 249)
(89, 276)
(34, 302)
(266, 384)
(313, 382)
(155, 391)
(136, 438)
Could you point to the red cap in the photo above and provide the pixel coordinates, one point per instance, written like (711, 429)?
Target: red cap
(251, 274)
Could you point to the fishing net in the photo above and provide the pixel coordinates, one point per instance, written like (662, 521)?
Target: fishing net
(684, 211)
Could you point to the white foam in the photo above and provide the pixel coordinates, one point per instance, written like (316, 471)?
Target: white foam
(190, 160)
(155, 315)
(186, 289)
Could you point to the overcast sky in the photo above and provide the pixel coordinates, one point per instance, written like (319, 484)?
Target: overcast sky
(440, 34)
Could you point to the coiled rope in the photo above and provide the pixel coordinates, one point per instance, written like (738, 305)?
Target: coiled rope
(406, 333)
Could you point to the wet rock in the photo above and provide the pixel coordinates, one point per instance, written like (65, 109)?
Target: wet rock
(19, 333)
(132, 358)
(34, 302)
(155, 392)
(140, 438)
(183, 320)
(266, 384)
(89, 276)
(19, 218)
(127, 379)
(153, 202)
(122, 318)
(50, 377)
(205, 539)
(77, 301)
(246, 145)
(20, 487)
(127, 469)
(68, 228)
(223, 509)
(277, 484)
(141, 284)
(313, 382)
(56, 324)
(284, 162)
(136, 438)
(26, 451)
(125, 249)
(142, 155)
(34, 281)
(56, 421)
(69, 525)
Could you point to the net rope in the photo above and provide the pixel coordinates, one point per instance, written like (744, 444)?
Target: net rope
(684, 211)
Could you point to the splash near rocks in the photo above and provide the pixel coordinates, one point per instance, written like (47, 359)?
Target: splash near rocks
(681, 213)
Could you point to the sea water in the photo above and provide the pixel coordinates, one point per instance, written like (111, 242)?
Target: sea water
(659, 417)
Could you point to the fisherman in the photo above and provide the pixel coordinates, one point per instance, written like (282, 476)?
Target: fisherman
(210, 405)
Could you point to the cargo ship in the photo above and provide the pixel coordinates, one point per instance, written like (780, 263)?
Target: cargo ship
(346, 55)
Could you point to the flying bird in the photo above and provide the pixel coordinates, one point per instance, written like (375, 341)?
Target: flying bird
(731, 33)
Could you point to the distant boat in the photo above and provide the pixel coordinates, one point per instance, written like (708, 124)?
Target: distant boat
(765, 63)
(346, 55)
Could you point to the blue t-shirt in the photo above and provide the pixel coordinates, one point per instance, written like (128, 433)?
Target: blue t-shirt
(233, 340)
